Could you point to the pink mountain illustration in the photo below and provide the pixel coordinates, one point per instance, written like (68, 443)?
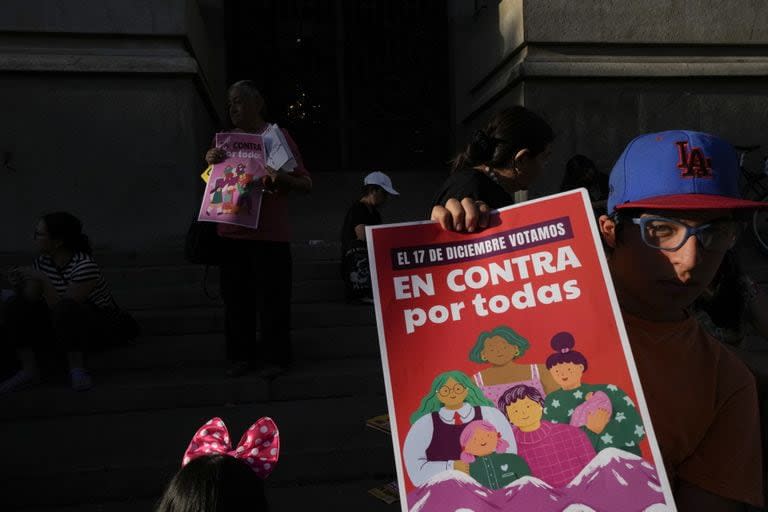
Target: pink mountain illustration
(451, 490)
(528, 493)
(616, 480)
(613, 480)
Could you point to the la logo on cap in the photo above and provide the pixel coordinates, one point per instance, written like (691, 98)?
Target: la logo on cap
(693, 164)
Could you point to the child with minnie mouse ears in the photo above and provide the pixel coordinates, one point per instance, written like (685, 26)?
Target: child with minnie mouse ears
(214, 477)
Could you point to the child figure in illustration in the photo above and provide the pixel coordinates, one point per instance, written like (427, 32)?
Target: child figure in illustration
(216, 198)
(501, 348)
(245, 184)
(554, 452)
(604, 412)
(433, 444)
(485, 451)
(228, 191)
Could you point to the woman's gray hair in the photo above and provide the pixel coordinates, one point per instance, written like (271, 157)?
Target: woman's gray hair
(246, 85)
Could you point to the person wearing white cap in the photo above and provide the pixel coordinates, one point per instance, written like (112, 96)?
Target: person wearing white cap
(383, 181)
(377, 187)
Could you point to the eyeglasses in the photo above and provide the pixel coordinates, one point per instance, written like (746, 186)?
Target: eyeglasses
(671, 234)
(457, 388)
(39, 234)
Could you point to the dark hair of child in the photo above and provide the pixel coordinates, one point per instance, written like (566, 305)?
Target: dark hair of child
(214, 483)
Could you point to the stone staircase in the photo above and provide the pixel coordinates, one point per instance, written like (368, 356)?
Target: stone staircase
(115, 447)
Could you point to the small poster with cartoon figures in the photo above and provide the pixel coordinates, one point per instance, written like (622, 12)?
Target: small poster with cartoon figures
(234, 189)
(509, 378)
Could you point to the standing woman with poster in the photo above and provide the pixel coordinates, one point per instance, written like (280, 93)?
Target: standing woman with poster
(503, 158)
(256, 274)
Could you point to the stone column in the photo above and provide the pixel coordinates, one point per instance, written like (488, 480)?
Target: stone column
(107, 109)
(603, 72)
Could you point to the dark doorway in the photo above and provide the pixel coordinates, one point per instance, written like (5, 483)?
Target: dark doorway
(360, 84)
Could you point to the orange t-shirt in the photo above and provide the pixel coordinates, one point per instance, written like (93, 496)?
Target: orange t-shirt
(703, 404)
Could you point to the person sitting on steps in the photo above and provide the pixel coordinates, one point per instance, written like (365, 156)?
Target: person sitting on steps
(62, 304)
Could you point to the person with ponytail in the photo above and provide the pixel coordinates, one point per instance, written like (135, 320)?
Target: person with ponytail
(605, 413)
(63, 303)
(503, 158)
(701, 397)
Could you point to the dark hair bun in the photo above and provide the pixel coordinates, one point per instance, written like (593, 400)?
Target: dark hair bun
(562, 340)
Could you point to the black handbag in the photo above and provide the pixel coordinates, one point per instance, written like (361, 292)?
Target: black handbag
(203, 245)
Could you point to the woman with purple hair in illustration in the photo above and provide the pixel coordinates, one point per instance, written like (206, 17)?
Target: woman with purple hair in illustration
(555, 453)
(432, 444)
(483, 448)
(603, 411)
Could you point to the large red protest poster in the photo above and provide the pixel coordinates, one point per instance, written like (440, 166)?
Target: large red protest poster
(509, 377)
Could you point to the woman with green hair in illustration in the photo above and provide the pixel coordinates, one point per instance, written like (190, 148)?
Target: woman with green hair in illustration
(501, 348)
(433, 441)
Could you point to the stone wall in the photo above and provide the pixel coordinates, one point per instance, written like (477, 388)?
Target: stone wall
(107, 108)
(603, 72)
(108, 105)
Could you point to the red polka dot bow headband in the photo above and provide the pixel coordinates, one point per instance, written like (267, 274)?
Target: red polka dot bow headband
(259, 447)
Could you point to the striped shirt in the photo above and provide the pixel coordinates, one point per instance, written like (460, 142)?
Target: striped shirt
(80, 269)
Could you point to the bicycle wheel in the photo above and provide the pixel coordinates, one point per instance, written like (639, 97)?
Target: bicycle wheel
(760, 227)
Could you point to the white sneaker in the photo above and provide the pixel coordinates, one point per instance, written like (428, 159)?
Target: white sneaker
(20, 380)
(81, 379)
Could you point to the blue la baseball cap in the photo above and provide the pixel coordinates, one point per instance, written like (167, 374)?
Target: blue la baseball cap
(677, 170)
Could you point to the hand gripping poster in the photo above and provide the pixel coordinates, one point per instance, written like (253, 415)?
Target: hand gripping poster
(233, 192)
(509, 377)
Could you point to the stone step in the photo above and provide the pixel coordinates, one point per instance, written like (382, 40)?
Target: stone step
(343, 496)
(301, 251)
(133, 454)
(192, 295)
(193, 386)
(211, 319)
(131, 277)
(174, 351)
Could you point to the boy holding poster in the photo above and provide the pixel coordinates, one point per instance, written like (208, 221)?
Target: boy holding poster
(533, 275)
(674, 210)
